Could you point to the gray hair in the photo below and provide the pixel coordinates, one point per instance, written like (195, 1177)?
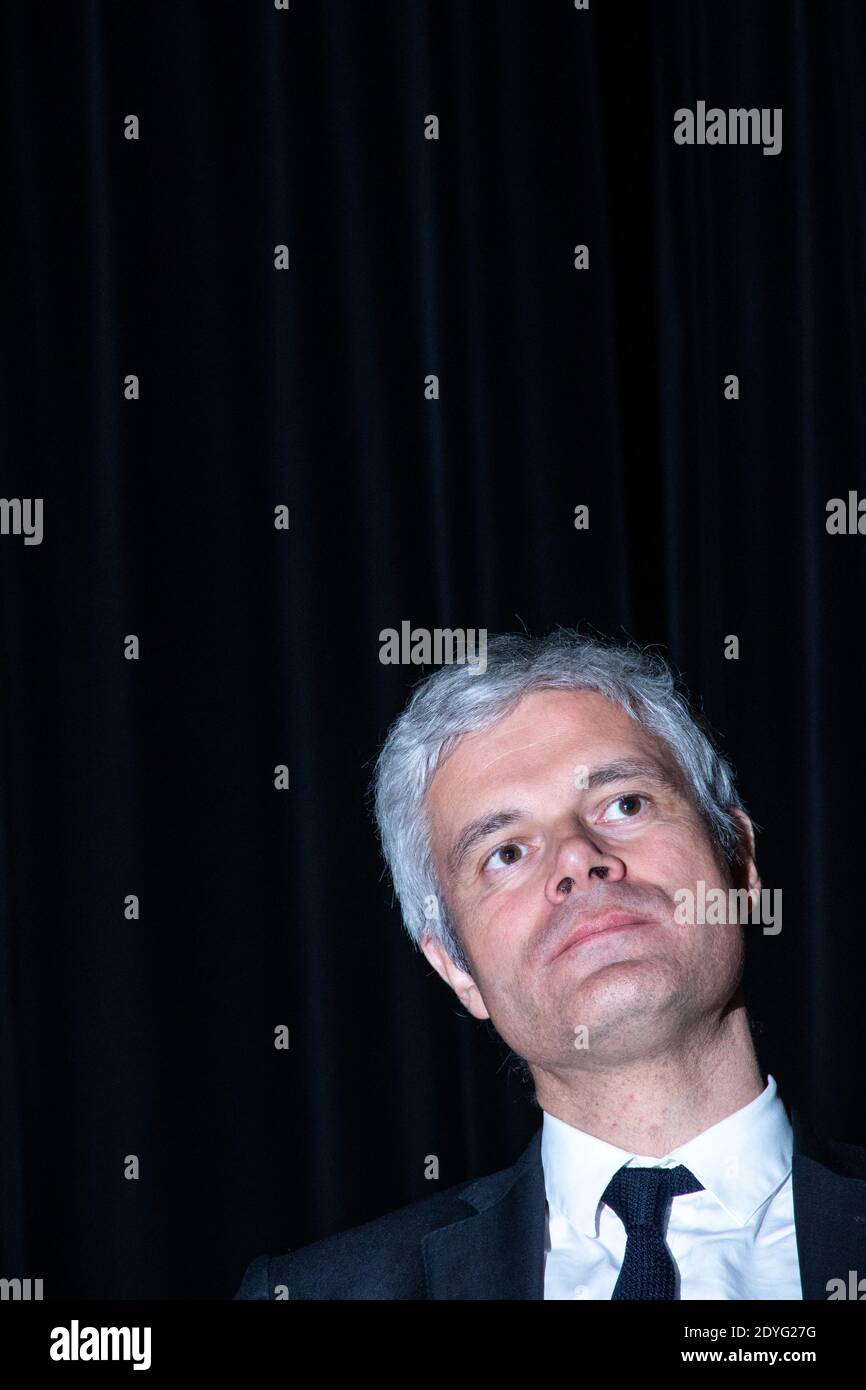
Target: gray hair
(456, 700)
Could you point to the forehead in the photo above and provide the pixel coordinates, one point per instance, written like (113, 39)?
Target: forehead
(544, 737)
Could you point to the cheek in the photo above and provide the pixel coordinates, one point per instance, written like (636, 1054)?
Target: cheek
(503, 923)
(677, 855)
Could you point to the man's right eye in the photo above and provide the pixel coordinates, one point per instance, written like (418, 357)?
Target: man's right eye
(511, 847)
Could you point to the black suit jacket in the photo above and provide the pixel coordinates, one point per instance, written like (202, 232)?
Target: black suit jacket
(484, 1238)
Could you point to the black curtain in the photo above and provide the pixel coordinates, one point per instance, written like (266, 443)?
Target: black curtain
(259, 387)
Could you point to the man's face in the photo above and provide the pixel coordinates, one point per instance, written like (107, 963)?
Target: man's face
(525, 817)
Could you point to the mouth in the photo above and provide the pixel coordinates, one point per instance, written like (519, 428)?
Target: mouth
(600, 926)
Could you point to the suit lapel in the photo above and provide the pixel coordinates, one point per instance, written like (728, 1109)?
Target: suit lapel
(498, 1251)
(828, 1180)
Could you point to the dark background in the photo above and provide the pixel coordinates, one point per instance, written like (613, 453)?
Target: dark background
(306, 387)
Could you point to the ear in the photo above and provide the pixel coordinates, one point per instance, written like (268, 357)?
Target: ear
(746, 866)
(462, 983)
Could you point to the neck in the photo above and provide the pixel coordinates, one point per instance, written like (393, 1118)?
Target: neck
(651, 1104)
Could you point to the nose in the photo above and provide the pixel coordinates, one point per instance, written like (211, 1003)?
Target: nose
(579, 862)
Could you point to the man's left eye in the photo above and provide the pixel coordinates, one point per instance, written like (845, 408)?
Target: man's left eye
(630, 801)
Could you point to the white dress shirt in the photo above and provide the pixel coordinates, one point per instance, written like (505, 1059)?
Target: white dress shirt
(734, 1240)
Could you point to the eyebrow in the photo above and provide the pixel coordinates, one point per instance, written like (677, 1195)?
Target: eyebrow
(620, 770)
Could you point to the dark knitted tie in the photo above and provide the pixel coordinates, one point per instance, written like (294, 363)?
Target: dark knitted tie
(641, 1198)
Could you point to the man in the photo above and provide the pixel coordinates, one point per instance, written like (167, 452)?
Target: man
(543, 822)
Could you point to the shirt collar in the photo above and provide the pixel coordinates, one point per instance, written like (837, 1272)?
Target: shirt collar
(742, 1160)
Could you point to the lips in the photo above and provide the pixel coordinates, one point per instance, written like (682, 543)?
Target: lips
(593, 926)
